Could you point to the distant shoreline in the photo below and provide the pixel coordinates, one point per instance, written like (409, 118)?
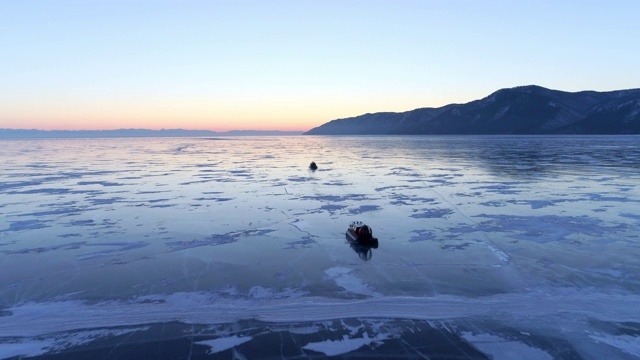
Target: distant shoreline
(228, 136)
(133, 133)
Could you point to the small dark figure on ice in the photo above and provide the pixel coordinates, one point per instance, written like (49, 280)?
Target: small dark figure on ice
(361, 240)
(313, 166)
(360, 234)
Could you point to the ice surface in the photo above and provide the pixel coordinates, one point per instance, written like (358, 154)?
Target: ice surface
(491, 245)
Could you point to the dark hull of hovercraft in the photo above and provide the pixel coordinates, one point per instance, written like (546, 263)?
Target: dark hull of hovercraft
(354, 240)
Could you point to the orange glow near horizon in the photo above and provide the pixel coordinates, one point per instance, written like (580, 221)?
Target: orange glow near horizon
(154, 124)
(267, 113)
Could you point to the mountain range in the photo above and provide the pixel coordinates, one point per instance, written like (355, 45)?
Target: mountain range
(520, 110)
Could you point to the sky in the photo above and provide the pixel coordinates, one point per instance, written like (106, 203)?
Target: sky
(294, 65)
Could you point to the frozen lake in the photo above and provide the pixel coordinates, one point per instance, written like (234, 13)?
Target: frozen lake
(490, 247)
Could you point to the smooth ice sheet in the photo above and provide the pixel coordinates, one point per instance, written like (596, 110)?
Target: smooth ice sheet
(491, 237)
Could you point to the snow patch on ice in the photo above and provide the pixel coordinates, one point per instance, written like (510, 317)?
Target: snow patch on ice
(39, 346)
(627, 343)
(501, 255)
(346, 280)
(498, 348)
(259, 292)
(222, 344)
(346, 345)
(304, 330)
(24, 348)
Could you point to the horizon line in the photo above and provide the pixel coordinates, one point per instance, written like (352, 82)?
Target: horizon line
(148, 129)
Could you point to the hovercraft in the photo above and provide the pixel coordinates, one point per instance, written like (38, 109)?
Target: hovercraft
(360, 234)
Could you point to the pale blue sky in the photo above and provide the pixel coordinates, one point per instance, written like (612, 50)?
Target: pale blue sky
(294, 64)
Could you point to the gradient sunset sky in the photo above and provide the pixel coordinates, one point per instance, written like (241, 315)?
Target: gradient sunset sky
(294, 65)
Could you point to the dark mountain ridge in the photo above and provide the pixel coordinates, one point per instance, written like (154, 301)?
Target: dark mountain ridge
(521, 110)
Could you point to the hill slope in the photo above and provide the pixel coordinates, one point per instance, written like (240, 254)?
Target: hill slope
(520, 110)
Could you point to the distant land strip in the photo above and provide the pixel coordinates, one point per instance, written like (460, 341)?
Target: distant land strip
(523, 110)
(123, 133)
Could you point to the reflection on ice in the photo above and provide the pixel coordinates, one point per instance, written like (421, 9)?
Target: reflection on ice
(478, 237)
(364, 252)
